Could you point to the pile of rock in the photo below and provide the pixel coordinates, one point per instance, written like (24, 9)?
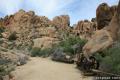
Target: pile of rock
(14, 56)
(9, 59)
(85, 29)
(61, 22)
(28, 26)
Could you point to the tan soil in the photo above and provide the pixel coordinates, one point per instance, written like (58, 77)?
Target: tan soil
(45, 69)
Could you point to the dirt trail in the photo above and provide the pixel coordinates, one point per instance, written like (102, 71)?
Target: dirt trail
(45, 69)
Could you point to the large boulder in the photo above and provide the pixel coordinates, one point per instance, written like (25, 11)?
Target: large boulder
(85, 28)
(61, 22)
(45, 42)
(60, 56)
(99, 41)
(104, 14)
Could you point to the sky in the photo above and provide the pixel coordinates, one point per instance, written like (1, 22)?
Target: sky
(76, 9)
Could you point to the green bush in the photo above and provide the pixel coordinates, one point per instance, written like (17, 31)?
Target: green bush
(35, 51)
(6, 67)
(68, 44)
(2, 29)
(41, 53)
(12, 36)
(111, 62)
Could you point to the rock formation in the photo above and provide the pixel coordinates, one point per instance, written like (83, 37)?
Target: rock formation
(26, 29)
(62, 22)
(45, 42)
(104, 14)
(28, 26)
(84, 29)
(105, 37)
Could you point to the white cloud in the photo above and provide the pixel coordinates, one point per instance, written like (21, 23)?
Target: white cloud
(41, 7)
(50, 8)
(46, 7)
(10, 6)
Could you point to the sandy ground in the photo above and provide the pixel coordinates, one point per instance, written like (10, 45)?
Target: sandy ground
(45, 69)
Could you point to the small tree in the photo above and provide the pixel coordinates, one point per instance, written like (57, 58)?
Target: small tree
(12, 36)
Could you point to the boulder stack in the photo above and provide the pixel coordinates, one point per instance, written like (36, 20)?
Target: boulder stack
(104, 14)
(28, 26)
(105, 37)
(85, 28)
(62, 22)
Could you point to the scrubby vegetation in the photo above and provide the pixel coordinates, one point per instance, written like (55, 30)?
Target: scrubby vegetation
(1, 30)
(6, 67)
(41, 52)
(111, 60)
(66, 44)
(12, 36)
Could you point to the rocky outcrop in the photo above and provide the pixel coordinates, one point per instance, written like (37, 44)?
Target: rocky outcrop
(61, 22)
(105, 37)
(104, 14)
(17, 58)
(27, 27)
(25, 20)
(9, 59)
(84, 29)
(45, 42)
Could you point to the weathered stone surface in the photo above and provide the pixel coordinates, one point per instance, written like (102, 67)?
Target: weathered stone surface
(6, 77)
(45, 42)
(105, 37)
(84, 29)
(61, 22)
(99, 41)
(104, 14)
(13, 56)
(113, 9)
(28, 26)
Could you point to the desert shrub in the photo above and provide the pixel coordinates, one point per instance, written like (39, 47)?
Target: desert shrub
(6, 67)
(41, 52)
(111, 61)
(35, 51)
(68, 44)
(1, 30)
(12, 36)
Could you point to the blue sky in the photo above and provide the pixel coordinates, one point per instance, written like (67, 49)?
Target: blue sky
(76, 9)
